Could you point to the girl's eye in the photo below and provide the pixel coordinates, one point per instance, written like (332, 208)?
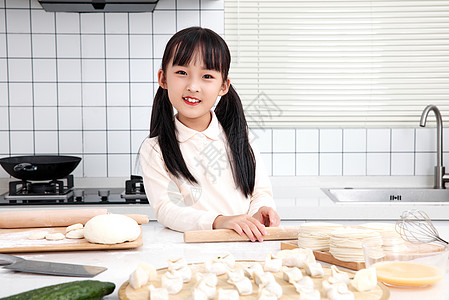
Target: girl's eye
(207, 76)
(181, 72)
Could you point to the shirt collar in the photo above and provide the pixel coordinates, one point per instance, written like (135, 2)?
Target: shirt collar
(184, 133)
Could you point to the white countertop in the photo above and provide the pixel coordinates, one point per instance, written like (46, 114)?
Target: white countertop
(159, 244)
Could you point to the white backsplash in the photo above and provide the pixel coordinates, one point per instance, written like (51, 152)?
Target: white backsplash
(82, 84)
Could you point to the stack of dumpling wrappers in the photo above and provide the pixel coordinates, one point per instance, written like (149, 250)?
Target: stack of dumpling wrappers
(345, 242)
(315, 235)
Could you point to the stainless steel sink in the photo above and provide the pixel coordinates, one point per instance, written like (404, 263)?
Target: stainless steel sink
(387, 194)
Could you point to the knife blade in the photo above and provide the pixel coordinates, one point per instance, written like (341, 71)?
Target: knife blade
(16, 263)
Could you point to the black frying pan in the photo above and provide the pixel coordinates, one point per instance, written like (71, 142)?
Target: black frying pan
(39, 167)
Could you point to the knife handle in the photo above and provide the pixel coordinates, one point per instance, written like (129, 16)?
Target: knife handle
(6, 259)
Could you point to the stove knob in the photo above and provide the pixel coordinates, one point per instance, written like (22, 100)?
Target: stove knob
(104, 194)
(79, 195)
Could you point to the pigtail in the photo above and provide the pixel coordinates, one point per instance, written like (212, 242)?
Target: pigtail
(163, 126)
(230, 114)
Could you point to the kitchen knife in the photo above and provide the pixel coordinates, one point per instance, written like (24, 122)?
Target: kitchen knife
(42, 267)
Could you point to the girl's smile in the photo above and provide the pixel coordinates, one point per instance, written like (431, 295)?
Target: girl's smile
(191, 100)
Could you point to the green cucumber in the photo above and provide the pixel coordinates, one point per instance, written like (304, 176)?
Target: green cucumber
(75, 290)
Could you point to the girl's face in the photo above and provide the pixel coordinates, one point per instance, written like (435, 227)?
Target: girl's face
(193, 90)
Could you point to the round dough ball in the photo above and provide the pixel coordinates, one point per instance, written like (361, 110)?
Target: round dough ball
(111, 229)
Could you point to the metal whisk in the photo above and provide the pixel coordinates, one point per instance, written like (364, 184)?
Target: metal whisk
(416, 227)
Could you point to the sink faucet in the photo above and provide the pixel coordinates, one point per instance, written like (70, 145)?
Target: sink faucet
(440, 178)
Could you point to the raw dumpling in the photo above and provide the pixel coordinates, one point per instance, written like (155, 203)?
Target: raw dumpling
(158, 293)
(172, 282)
(265, 295)
(180, 267)
(75, 234)
(310, 295)
(149, 269)
(205, 287)
(365, 280)
(210, 278)
(304, 285)
(141, 275)
(226, 294)
(291, 274)
(228, 259)
(220, 265)
(263, 278)
(252, 269)
(314, 269)
(296, 257)
(54, 236)
(338, 276)
(74, 227)
(138, 278)
(272, 264)
(242, 283)
(339, 292)
(327, 285)
(199, 295)
(271, 288)
(37, 235)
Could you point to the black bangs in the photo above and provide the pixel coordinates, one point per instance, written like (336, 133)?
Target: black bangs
(187, 43)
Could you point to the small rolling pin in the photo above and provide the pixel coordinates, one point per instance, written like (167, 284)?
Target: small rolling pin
(228, 235)
(55, 218)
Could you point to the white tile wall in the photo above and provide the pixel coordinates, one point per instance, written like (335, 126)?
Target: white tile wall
(83, 84)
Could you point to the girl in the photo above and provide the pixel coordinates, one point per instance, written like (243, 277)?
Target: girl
(199, 169)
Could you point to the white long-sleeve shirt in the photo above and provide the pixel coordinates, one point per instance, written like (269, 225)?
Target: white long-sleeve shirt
(183, 206)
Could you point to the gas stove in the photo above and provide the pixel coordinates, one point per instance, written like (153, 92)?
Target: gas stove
(63, 192)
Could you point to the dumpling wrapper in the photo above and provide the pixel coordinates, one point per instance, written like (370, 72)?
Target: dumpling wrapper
(75, 234)
(37, 235)
(55, 236)
(74, 227)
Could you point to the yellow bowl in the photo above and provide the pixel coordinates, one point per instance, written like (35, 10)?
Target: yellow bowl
(403, 264)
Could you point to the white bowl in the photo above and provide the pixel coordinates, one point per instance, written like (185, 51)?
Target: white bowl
(403, 264)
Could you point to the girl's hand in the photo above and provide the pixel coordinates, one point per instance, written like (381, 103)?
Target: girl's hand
(242, 224)
(267, 216)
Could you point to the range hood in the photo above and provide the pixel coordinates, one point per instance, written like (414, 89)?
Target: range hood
(99, 5)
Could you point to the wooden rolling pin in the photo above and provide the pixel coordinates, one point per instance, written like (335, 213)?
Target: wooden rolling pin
(228, 235)
(55, 218)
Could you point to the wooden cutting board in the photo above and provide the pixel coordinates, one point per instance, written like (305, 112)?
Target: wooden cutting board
(126, 292)
(16, 240)
(325, 256)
